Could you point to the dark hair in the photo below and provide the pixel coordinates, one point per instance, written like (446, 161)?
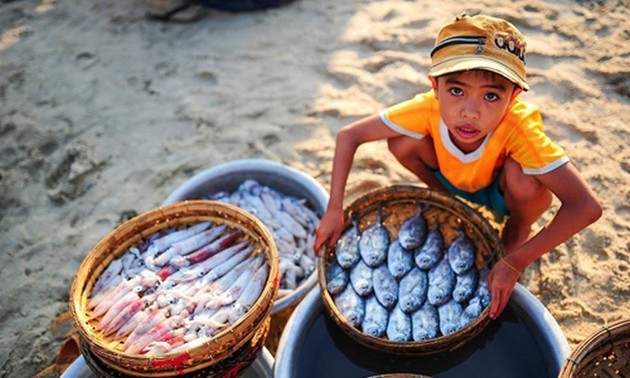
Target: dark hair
(485, 73)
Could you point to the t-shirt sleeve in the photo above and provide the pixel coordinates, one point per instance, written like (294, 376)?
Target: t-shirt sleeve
(535, 152)
(411, 117)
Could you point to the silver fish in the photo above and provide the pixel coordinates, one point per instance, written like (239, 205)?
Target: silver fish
(412, 291)
(431, 251)
(425, 323)
(441, 283)
(399, 325)
(376, 317)
(361, 279)
(413, 231)
(483, 292)
(374, 243)
(461, 254)
(465, 285)
(471, 312)
(347, 252)
(336, 278)
(385, 286)
(450, 314)
(351, 305)
(399, 260)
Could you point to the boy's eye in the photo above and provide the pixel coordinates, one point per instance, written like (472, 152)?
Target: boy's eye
(456, 91)
(491, 97)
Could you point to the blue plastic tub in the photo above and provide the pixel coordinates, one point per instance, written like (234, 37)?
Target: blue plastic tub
(228, 176)
(525, 341)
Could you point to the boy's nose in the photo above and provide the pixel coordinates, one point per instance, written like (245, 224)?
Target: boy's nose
(470, 110)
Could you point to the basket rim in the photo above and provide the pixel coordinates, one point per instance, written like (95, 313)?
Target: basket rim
(143, 226)
(605, 336)
(440, 199)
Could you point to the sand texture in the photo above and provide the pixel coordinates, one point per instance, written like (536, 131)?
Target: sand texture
(104, 112)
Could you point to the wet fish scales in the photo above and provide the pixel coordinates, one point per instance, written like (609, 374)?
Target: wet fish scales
(385, 286)
(337, 278)
(441, 283)
(450, 314)
(412, 291)
(483, 292)
(399, 325)
(465, 285)
(413, 231)
(374, 243)
(347, 251)
(425, 323)
(361, 278)
(351, 305)
(376, 317)
(461, 254)
(399, 259)
(428, 255)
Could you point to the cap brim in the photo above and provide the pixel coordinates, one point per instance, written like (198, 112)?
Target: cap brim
(466, 63)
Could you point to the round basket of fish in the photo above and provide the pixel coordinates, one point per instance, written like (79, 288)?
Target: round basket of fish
(409, 272)
(182, 289)
(287, 201)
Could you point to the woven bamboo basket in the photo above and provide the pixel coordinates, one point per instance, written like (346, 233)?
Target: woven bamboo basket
(606, 353)
(239, 360)
(235, 347)
(397, 203)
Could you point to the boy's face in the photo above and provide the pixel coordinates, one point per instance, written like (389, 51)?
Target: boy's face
(472, 104)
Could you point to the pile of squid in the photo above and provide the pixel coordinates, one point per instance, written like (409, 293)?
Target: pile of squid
(177, 289)
(291, 222)
(412, 288)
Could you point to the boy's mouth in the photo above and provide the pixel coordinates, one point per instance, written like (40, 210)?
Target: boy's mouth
(467, 132)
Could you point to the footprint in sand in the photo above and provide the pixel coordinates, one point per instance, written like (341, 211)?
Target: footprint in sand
(70, 176)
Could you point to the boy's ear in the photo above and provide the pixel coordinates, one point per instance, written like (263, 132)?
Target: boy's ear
(517, 91)
(434, 84)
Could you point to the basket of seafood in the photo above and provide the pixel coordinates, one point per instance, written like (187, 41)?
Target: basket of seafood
(182, 289)
(287, 201)
(409, 271)
(605, 353)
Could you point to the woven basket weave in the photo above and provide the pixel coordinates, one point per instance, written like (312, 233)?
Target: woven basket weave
(397, 203)
(606, 353)
(231, 348)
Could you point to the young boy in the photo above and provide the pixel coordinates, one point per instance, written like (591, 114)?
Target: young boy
(474, 137)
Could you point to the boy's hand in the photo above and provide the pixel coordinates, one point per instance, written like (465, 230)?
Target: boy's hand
(328, 230)
(501, 282)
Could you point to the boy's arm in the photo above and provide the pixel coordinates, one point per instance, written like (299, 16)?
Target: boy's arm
(579, 208)
(349, 138)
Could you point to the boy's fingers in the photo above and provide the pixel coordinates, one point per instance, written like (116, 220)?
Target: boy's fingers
(494, 304)
(321, 237)
(332, 240)
(318, 245)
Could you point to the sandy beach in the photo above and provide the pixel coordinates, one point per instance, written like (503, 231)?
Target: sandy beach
(104, 112)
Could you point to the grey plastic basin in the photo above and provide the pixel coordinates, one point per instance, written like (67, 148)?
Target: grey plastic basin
(262, 367)
(525, 341)
(287, 180)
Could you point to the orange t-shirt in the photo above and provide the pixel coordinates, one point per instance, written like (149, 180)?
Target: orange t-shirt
(519, 135)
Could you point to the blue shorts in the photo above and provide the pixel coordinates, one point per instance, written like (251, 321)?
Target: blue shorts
(489, 196)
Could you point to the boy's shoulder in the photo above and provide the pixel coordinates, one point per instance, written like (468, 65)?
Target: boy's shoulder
(521, 110)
